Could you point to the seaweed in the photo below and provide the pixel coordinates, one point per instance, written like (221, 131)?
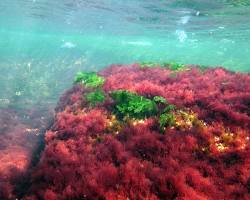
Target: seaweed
(98, 96)
(149, 64)
(128, 104)
(133, 106)
(166, 119)
(160, 99)
(89, 79)
(174, 66)
(204, 153)
(169, 107)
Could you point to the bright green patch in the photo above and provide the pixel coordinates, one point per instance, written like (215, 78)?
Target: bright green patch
(89, 79)
(169, 108)
(160, 99)
(172, 66)
(150, 64)
(133, 106)
(128, 104)
(166, 119)
(98, 96)
(175, 66)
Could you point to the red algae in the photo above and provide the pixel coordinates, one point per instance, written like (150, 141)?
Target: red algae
(20, 138)
(90, 154)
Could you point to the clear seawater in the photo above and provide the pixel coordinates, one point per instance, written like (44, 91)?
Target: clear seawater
(43, 43)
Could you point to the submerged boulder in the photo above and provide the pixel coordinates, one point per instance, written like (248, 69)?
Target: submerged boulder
(149, 132)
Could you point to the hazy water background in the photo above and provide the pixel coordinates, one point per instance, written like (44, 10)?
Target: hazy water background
(43, 43)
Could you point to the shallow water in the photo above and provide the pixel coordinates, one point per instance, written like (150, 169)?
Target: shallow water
(44, 43)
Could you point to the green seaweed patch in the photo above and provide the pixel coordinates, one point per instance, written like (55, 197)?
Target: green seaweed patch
(131, 105)
(169, 107)
(149, 64)
(160, 99)
(93, 98)
(172, 66)
(166, 120)
(175, 66)
(89, 79)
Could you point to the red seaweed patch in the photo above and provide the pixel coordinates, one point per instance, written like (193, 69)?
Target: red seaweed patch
(132, 132)
(20, 135)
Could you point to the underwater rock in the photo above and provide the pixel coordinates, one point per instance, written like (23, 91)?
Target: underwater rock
(194, 144)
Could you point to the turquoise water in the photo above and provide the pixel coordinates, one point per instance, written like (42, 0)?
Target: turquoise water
(44, 43)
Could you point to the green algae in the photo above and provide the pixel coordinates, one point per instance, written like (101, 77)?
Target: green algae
(89, 79)
(93, 98)
(128, 104)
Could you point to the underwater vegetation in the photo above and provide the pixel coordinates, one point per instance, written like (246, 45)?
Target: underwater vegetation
(172, 65)
(132, 132)
(95, 97)
(89, 79)
(21, 142)
(140, 133)
(131, 105)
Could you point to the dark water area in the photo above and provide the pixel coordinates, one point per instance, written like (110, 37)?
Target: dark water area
(43, 44)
